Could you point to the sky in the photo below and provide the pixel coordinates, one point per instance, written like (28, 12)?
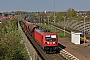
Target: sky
(43, 5)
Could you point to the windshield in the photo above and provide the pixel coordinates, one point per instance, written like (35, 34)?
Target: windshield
(50, 37)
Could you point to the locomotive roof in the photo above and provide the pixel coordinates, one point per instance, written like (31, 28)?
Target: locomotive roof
(41, 30)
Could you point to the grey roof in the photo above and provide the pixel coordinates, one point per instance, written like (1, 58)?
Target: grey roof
(41, 30)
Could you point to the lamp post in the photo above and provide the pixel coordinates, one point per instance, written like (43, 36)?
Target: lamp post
(84, 28)
(54, 16)
(18, 22)
(54, 11)
(41, 20)
(48, 21)
(34, 22)
(64, 25)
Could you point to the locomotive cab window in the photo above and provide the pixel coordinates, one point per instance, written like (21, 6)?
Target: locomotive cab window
(50, 37)
(53, 37)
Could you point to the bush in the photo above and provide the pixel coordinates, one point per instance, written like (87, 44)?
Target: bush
(10, 46)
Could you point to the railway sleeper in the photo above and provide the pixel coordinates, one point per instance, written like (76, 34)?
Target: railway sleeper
(69, 57)
(50, 49)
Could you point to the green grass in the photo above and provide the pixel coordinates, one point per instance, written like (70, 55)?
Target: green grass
(60, 33)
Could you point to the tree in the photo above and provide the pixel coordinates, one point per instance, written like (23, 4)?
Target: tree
(71, 13)
(88, 13)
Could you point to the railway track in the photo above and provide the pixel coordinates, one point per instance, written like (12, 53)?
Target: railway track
(63, 55)
(67, 55)
(40, 52)
(68, 32)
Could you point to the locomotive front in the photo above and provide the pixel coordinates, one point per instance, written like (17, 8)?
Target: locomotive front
(50, 41)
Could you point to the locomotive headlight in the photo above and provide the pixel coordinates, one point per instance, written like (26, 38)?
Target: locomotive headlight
(47, 42)
(54, 43)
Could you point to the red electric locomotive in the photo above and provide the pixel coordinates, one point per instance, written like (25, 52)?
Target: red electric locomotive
(46, 39)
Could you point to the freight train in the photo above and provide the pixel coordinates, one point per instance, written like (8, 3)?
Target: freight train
(47, 40)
